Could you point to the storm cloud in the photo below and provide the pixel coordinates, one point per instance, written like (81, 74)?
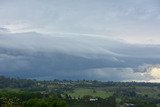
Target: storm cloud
(86, 39)
(35, 55)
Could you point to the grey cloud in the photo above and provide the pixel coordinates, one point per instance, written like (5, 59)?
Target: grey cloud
(123, 74)
(35, 55)
(78, 39)
(134, 19)
(4, 30)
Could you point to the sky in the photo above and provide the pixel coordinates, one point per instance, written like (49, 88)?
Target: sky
(80, 39)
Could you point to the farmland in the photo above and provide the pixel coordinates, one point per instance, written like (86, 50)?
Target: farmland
(82, 93)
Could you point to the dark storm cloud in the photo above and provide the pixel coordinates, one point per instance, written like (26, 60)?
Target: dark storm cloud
(32, 54)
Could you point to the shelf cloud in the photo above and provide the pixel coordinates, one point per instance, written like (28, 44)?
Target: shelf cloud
(34, 55)
(86, 39)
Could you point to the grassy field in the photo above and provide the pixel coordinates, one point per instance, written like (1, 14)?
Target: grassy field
(86, 91)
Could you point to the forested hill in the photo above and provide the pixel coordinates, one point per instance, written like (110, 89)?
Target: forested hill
(30, 83)
(16, 82)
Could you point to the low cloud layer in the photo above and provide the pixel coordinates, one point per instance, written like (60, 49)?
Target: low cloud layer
(70, 56)
(80, 39)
